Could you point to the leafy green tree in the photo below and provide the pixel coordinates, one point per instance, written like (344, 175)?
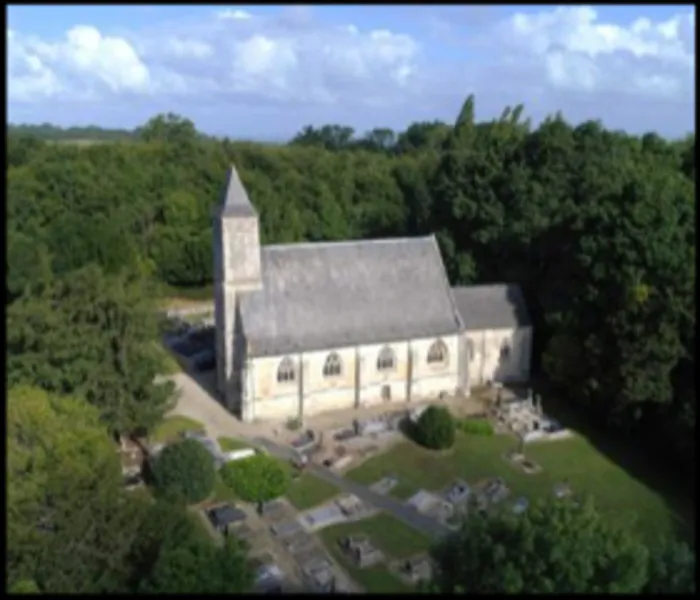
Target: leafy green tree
(260, 478)
(184, 471)
(435, 428)
(92, 335)
(554, 547)
(199, 567)
(69, 526)
(671, 569)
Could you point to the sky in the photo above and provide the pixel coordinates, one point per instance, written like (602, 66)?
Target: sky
(264, 72)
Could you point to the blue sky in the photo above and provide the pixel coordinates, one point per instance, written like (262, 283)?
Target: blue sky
(265, 71)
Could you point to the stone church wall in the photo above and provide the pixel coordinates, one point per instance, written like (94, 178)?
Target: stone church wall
(430, 380)
(489, 363)
(273, 400)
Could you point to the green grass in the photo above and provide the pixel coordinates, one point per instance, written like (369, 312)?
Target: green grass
(169, 364)
(308, 491)
(228, 444)
(391, 536)
(616, 493)
(171, 428)
(222, 493)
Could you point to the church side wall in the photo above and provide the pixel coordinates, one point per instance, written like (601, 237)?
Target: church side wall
(373, 381)
(488, 363)
(430, 380)
(280, 401)
(275, 400)
(323, 394)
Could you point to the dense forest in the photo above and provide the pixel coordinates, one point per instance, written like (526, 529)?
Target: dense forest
(597, 226)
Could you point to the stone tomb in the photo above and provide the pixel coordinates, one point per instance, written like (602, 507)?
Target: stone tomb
(361, 551)
(413, 570)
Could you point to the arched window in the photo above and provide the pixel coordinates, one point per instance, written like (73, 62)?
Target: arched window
(505, 350)
(471, 351)
(386, 361)
(333, 366)
(286, 373)
(437, 354)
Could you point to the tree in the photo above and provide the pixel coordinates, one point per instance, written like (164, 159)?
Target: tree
(671, 569)
(260, 478)
(435, 428)
(199, 567)
(92, 335)
(69, 526)
(184, 471)
(554, 547)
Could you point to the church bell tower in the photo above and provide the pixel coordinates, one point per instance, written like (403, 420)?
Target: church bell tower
(236, 271)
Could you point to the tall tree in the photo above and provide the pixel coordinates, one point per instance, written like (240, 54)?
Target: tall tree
(69, 525)
(555, 547)
(92, 335)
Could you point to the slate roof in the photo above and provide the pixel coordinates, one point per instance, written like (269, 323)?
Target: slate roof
(494, 306)
(235, 201)
(329, 295)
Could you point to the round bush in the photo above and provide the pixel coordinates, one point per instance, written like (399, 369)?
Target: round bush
(184, 471)
(260, 478)
(435, 429)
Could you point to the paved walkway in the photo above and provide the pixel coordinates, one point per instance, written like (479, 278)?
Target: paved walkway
(218, 422)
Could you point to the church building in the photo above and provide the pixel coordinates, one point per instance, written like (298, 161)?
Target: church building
(313, 327)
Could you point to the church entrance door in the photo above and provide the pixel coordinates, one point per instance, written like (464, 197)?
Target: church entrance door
(386, 393)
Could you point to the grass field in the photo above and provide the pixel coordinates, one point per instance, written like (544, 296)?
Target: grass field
(171, 428)
(308, 491)
(394, 538)
(473, 458)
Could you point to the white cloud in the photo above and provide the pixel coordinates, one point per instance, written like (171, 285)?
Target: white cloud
(578, 51)
(567, 58)
(77, 66)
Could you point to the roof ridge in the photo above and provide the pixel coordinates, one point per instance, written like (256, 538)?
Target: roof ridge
(305, 245)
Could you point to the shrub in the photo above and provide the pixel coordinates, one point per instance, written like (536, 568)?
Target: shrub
(435, 429)
(260, 478)
(475, 427)
(184, 471)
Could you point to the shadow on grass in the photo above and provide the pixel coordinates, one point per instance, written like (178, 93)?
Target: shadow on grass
(631, 454)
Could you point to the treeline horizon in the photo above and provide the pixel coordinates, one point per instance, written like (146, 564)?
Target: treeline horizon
(50, 131)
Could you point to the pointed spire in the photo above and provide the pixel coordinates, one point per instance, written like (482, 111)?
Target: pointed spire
(236, 202)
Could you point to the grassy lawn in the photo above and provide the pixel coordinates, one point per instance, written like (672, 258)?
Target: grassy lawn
(169, 364)
(222, 493)
(228, 444)
(171, 428)
(394, 538)
(308, 491)
(475, 457)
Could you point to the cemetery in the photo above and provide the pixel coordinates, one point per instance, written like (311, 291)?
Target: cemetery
(413, 570)
(529, 470)
(373, 551)
(361, 551)
(344, 508)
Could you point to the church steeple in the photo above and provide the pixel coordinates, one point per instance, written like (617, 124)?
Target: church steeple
(237, 270)
(235, 202)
